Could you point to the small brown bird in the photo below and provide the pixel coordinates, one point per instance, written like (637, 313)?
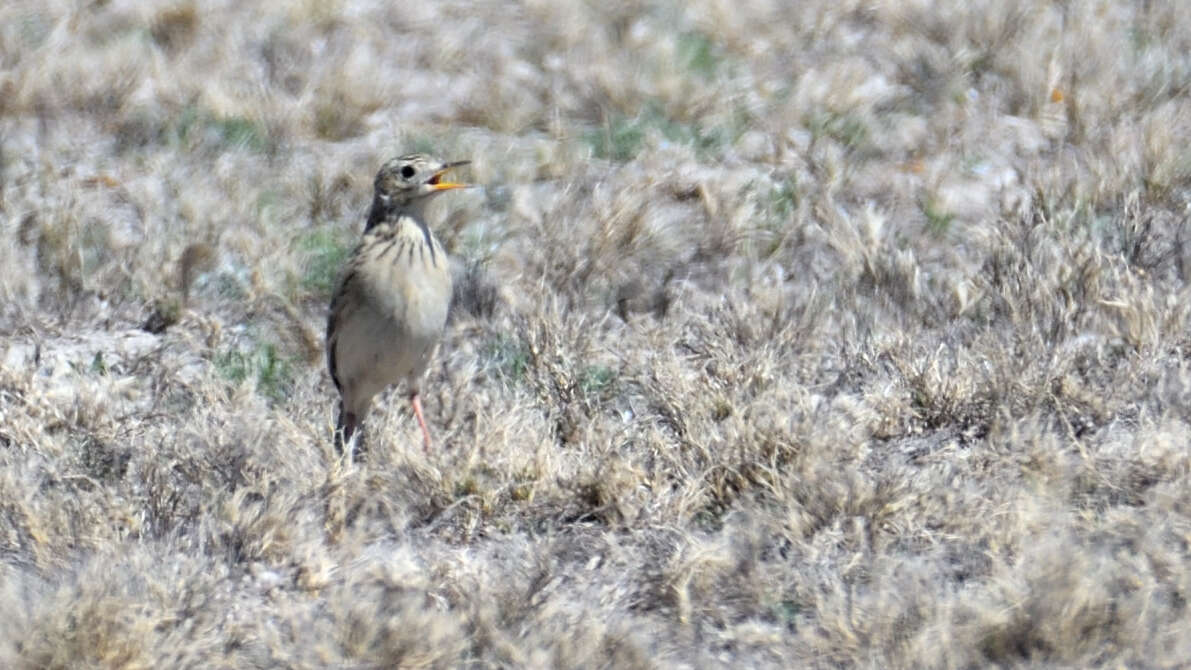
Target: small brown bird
(390, 307)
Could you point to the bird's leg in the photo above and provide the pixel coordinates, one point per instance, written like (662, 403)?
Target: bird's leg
(416, 401)
(345, 428)
(345, 425)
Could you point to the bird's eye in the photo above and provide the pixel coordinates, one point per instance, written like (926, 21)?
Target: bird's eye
(407, 171)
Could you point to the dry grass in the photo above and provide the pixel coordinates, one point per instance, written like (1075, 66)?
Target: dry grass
(832, 334)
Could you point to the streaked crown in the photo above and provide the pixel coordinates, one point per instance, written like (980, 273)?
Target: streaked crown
(414, 176)
(405, 184)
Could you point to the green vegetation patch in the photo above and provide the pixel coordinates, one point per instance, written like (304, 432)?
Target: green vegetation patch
(324, 254)
(847, 129)
(272, 372)
(507, 358)
(237, 132)
(622, 137)
(594, 380)
(699, 53)
(938, 220)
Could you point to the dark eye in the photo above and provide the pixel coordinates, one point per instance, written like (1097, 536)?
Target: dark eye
(407, 171)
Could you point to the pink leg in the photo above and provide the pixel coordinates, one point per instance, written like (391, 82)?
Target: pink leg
(416, 401)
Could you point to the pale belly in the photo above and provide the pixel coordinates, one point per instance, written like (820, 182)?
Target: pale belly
(393, 333)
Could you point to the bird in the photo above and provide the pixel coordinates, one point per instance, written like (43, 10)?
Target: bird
(390, 305)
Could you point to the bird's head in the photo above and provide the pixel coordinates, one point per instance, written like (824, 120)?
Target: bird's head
(412, 178)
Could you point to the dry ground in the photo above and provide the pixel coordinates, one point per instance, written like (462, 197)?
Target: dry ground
(833, 333)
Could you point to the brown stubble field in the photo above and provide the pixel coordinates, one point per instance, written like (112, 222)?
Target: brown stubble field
(810, 334)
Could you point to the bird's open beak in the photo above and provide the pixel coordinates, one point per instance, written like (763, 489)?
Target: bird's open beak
(439, 185)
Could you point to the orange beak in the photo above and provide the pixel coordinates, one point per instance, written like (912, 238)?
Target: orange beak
(439, 185)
